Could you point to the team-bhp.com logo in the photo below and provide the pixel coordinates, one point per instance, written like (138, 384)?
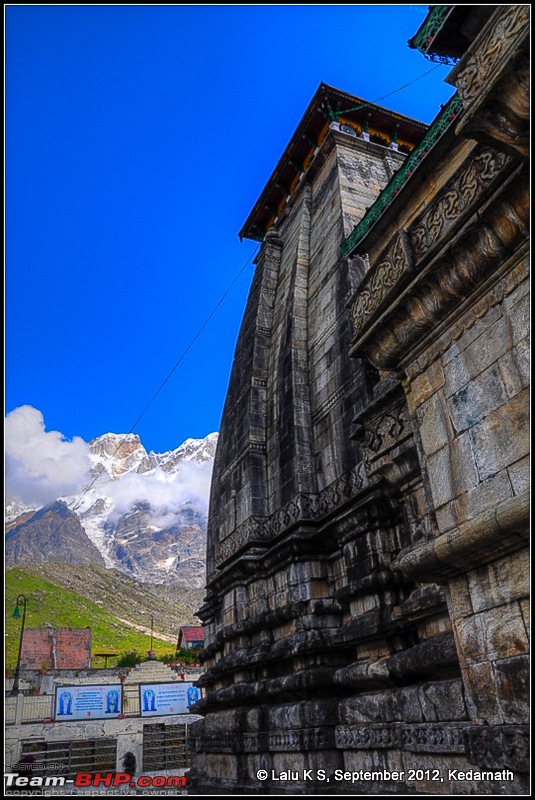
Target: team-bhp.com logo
(14, 780)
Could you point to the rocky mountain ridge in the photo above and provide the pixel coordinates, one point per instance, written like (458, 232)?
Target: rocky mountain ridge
(143, 513)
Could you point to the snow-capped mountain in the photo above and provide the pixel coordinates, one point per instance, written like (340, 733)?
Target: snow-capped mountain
(144, 512)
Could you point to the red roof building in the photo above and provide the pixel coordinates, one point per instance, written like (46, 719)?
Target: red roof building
(190, 636)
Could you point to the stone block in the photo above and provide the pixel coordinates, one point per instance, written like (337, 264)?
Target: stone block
(319, 713)
(425, 767)
(365, 603)
(225, 766)
(285, 717)
(512, 687)
(424, 385)
(254, 719)
(443, 701)
(368, 760)
(491, 634)
(376, 707)
(476, 501)
(407, 706)
(451, 471)
(501, 582)
(478, 355)
(477, 399)
(456, 375)
(520, 318)
(480, 326)
(525, 611)
(434, 424)
(257, 761)
(480, 692)
(284, 762)
(517, 294)
(328, 760)
(460, 602)
(502, 437)
(433, 626)
(223, 722)
(372, 650)
(514, 368)
(519, 475)
(497, 747)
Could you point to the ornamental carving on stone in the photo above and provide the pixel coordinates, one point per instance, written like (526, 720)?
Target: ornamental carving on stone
(385, 431)
(420, 737)
(458, 197)
(471, 258)
(380, 280)
(302, 507)
(472, 79)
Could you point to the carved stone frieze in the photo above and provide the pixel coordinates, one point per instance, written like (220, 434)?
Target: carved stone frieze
(427, 737)
(369, 736)
(489, 746)
(296, 740)
(473, 75)
(387, 429)
(284, 741)
(302, 507)
(493, 82)
(503, 122)
(218, 743)
(442, 737)
(395, 262)
(255, 742)
(385, 432)
(447, 282)
(457, 198)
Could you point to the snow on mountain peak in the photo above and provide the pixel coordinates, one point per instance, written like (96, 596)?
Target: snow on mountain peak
(146, 512)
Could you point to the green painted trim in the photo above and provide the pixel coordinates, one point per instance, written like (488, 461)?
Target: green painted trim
(430, 27)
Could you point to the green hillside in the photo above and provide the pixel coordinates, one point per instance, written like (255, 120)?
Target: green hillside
(125, 597)
(61, 608)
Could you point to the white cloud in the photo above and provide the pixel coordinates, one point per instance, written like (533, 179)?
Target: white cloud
(41, 465)
(166, 492)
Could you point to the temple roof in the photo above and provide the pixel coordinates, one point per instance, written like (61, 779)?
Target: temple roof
(327, 105)
(192, 633)
(447, 31)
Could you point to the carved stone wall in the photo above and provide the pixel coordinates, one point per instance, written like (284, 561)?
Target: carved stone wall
(453, 321)
(366, 602)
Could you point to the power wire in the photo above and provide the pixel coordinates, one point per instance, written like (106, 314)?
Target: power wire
(168, 377)
(192, 342)
(408, 84)
(214, 310)
(405, 85)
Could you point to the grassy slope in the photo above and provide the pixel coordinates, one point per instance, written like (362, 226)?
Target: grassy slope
(62, 608)
(124, 597)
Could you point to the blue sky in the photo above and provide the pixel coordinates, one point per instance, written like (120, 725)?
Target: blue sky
(137, 140)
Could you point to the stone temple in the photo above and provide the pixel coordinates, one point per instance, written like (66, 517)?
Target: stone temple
(367, 580)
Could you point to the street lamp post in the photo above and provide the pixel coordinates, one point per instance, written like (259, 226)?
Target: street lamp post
(21, 600)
